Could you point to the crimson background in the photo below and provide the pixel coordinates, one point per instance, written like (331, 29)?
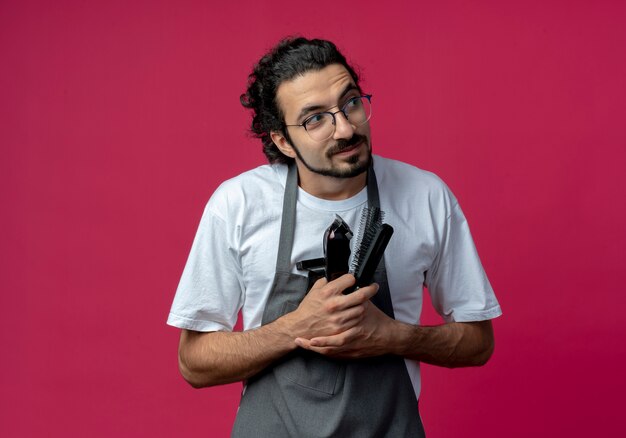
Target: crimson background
(118, 119)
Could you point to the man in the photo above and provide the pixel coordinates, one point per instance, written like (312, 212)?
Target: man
(316, 361)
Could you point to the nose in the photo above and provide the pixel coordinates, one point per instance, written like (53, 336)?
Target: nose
(343, 127)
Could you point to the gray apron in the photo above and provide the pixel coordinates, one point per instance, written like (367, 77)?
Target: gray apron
(306, 394)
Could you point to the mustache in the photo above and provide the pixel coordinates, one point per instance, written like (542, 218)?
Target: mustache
(343, 144)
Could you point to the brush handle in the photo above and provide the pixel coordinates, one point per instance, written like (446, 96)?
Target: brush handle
(365, 272)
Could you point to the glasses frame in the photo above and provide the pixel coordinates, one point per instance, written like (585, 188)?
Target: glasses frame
(332, 114)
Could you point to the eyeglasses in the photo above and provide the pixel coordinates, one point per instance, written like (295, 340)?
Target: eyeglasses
(321, 126)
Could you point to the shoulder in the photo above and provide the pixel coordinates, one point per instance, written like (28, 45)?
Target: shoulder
(397, 179)
(258, 179)
(255, 188)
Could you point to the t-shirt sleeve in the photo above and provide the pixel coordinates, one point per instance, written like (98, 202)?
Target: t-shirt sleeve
(209, 294)
(457, 283)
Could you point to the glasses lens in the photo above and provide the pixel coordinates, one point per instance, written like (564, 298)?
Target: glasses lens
(320, 126)
(358, 110)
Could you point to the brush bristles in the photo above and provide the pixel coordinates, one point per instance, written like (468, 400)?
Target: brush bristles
(371, 222)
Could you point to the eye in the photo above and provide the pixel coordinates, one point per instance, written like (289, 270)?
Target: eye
(315, 121)
(353, 104)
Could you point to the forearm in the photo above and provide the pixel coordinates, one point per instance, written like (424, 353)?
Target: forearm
(215, 358)
(456, 344)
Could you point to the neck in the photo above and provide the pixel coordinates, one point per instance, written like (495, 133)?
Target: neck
(328, 187)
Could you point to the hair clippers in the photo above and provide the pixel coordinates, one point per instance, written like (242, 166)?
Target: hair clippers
(337, 249)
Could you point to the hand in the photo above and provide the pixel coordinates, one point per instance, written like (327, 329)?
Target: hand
(326, 311)
(370, 336)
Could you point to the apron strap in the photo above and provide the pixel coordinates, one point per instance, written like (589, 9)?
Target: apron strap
(288, 223)
(372, 187)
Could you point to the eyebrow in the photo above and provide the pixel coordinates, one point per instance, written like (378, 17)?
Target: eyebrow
(316, 108)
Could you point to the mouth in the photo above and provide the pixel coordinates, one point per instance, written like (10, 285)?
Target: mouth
(349, 150)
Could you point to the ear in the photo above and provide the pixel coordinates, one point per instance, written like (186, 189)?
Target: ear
(282, 144)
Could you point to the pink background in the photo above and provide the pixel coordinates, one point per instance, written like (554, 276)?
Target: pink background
(118, 119)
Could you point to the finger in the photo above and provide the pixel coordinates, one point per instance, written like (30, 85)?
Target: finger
(342, 283)
(303, 343)
(338, 340)
(361, 295)
(342, 302)
(324, 341)
(320, 283)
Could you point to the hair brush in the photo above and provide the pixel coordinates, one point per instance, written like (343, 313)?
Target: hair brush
(373, 237)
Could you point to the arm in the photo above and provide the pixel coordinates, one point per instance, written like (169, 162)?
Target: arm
(455, 344)
(215, 358)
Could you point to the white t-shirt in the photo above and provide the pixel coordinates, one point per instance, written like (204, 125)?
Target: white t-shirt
(233, 258)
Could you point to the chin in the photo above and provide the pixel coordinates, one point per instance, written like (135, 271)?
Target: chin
(355, 166)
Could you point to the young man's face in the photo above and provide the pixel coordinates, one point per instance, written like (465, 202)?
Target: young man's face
(347, 153)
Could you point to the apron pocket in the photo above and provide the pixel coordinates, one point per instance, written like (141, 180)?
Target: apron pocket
(309, 369)
(312, 371)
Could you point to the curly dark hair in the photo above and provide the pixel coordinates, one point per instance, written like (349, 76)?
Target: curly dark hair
(292, 56)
